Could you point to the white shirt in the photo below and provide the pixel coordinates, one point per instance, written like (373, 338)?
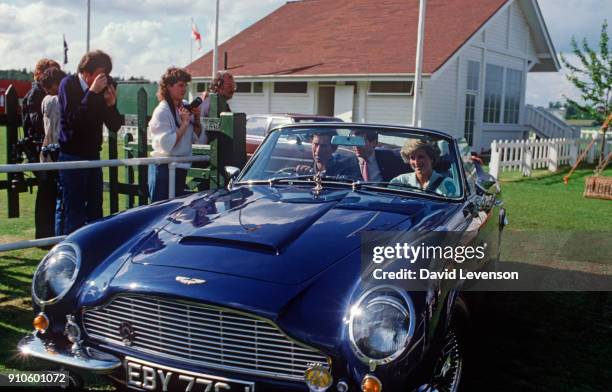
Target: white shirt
(51, 118)
(373, 169)
(84, 85)
(162, 134)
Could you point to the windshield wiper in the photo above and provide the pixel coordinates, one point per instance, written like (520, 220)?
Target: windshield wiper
(389, 185)
(278, 180)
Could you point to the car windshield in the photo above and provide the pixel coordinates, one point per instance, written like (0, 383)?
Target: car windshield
(367, 157)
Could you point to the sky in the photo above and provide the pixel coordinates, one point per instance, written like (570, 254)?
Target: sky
(147, 36)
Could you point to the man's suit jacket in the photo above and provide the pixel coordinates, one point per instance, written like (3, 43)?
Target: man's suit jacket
(389, 163)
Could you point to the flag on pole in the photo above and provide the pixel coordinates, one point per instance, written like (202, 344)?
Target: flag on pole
(195, 34)
(65, 51)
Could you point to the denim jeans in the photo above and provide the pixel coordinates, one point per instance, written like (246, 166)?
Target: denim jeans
(79, 198)
(159, 182)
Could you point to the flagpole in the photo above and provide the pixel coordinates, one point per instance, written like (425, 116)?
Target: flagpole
(88, 21)
(191, 43)
(215, 51)
(419, 64)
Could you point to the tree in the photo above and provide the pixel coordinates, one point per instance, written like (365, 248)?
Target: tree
(593, 78)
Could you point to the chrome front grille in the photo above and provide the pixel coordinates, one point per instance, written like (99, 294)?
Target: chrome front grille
(202, 335)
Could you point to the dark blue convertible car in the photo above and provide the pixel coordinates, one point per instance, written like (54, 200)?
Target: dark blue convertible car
(262, 286)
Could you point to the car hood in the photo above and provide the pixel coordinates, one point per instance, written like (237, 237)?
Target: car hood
(281, 234)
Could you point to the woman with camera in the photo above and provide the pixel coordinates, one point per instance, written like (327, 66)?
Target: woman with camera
(172, 130)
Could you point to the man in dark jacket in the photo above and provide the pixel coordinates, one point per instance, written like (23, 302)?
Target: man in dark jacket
(377, 164)
(44, 209)
(87, 101)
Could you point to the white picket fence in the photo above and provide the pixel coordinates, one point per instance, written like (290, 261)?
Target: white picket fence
(528, 155)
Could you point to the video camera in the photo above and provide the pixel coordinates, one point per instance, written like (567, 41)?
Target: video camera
(111, 82)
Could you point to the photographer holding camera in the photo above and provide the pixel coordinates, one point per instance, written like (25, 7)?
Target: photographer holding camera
(87, 101)
(173, 128)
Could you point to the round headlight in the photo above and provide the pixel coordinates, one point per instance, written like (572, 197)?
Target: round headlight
(56, 274)
(381, 324)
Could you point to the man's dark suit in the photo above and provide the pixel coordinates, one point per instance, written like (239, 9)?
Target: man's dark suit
(82, 114)
(389, 163)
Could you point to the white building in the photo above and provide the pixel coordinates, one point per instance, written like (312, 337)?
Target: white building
(356, 59)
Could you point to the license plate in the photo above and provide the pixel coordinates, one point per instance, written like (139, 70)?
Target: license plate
(148, 376)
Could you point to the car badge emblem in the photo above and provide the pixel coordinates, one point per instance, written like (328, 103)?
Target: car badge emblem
(126, 331)
(189, 281)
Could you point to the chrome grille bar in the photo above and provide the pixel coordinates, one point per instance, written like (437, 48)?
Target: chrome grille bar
(202, 335)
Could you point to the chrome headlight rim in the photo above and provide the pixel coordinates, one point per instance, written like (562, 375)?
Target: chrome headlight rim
(52, 252)
(409, 310)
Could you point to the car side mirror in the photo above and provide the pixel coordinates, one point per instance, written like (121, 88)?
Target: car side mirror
(487, 184)
(231, 172)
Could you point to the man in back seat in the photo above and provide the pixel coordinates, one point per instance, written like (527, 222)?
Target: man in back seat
(376, 164)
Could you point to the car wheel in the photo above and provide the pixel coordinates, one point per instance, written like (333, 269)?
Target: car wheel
(448, 368)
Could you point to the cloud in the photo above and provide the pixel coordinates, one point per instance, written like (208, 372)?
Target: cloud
(137, 48)
(579, 18)
(25, 39)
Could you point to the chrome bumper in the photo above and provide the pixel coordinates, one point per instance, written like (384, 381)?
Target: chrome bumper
(88, 359)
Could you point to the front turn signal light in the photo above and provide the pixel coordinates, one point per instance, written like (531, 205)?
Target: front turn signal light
(371, 384)
(41, 322)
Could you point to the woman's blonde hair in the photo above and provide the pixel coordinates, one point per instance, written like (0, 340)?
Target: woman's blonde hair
(412, 145)
(172, 76)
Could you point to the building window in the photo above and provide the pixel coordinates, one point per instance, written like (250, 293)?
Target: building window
(290, 87)
(473, 75)
(201, 87)
(243, 87)
(402, 88)
(470, 109)
(512, 97)
(494, 85)
(249, 87)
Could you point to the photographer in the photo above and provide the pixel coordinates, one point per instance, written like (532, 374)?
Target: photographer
(172, 130)
(87, 101)
(34, 132)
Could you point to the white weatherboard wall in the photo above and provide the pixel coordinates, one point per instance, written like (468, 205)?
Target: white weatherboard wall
(388, 109)
(294, 103)
(256, 103)
(440, 107)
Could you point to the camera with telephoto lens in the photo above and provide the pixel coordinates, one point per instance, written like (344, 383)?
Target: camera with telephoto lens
(51, 151)
(194, 104)
(110, 82)
(28, 149)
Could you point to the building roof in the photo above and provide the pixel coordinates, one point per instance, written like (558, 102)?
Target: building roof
(351, 37)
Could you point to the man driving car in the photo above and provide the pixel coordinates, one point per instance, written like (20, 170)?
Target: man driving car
(325, 159)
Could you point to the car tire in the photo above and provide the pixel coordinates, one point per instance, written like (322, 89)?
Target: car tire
(449, 366)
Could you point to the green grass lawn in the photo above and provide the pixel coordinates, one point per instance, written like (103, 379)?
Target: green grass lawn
(526, 341)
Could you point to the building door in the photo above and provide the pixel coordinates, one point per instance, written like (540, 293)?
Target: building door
(343, 102)
(325, 105)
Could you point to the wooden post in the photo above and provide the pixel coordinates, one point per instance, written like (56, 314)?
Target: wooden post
(113, 173)
(12, 127)
(494, 163)
(143, 171)
(527, 160)
(129, 170)
(553, 155)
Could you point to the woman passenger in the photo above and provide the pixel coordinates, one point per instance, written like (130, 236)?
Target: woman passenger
(422, 156)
